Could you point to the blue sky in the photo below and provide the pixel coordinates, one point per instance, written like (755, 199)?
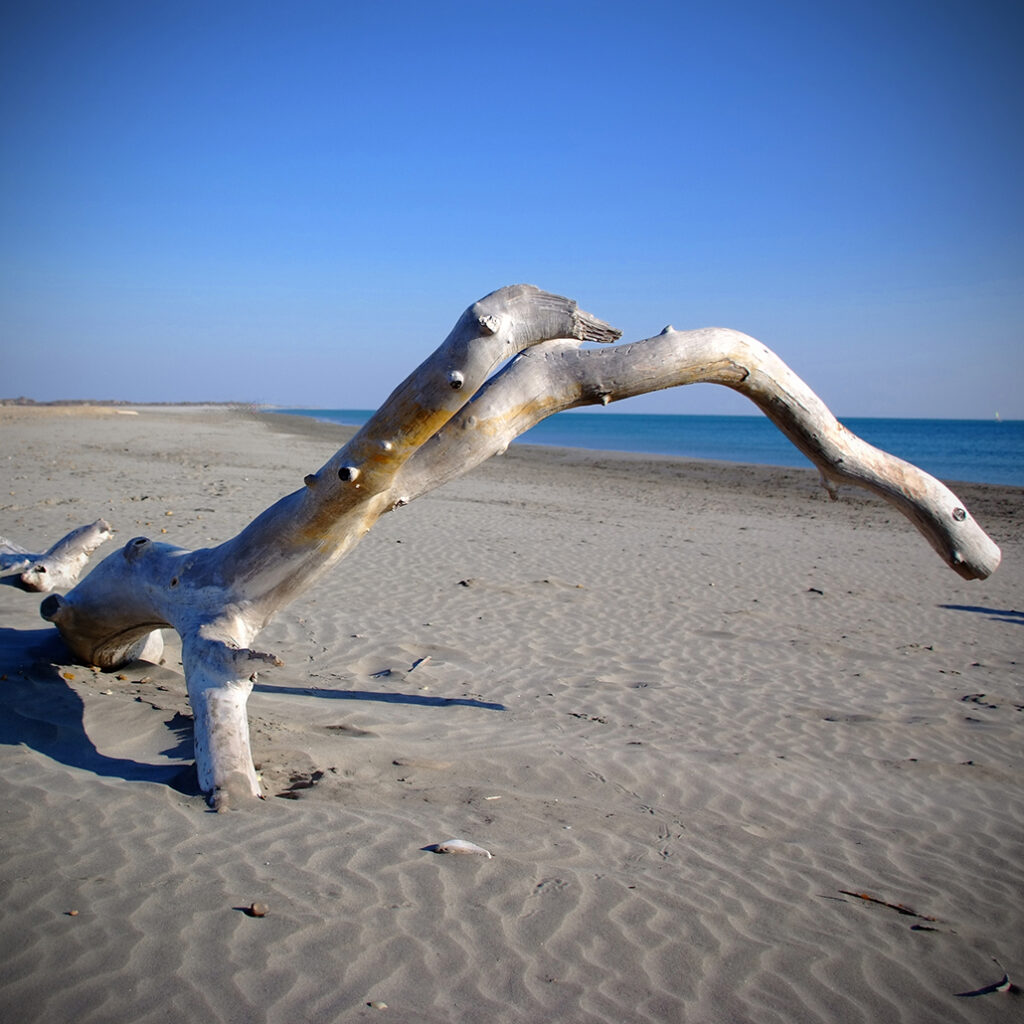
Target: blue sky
(292, 203)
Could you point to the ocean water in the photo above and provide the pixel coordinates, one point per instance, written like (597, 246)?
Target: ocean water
(979, 451)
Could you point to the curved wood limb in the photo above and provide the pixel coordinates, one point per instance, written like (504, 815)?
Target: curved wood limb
(561, 375)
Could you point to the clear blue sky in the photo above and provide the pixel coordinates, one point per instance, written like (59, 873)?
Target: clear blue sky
(292, 202)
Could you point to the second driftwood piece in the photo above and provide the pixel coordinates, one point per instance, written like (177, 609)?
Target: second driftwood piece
(513, 358)
(55, 569)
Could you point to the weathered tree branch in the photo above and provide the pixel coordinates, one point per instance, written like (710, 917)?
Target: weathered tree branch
(449, 415)
(561, 375)
(57, 568)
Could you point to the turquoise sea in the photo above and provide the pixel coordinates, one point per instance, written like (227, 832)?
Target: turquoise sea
(980, 451)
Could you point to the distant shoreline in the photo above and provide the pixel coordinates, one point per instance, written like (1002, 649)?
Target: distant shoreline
(29, 403)
(312, 411)
(978, 451)
(959, 459)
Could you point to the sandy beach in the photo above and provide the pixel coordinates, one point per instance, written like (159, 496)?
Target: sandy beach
(696, 711)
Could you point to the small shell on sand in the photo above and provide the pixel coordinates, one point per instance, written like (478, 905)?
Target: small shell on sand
(461, 846)
(258, 910)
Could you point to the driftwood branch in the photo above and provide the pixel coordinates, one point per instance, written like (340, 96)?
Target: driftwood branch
(561, 375)
(55, 569)
(455, 410)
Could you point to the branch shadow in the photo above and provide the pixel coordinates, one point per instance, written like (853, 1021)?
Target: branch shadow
(40, 710)
(1010, 615)
(384, 698)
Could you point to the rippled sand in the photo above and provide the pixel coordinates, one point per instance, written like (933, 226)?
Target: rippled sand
(695, 711)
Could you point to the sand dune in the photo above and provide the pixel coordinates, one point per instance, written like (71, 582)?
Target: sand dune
(695, 711)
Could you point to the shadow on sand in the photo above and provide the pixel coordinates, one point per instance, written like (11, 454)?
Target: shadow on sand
(995, 614)
(40, 710)
(385, 698)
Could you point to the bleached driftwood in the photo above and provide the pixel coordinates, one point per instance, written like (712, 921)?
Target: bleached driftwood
(450, 414)
(561, 375)
(57, 568)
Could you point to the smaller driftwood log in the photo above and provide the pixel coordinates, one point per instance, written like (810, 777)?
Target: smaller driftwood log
(56, 569)
(513, 358)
